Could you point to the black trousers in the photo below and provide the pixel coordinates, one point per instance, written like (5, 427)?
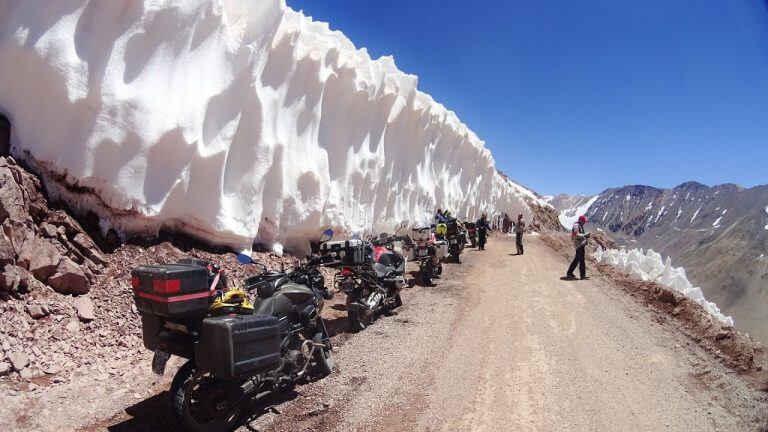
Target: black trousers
(519, 243)
(578, 259)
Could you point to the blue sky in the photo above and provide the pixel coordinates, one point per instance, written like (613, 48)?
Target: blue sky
(579, 96)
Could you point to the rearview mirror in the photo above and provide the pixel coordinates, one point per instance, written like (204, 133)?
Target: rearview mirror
(244, 258)
(327, 235)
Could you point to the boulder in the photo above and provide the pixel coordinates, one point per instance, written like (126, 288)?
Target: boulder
(7, 254)
(37, 311)
(48, 230)
(18, 360)
(29, 373)
(88, 248)
(5, 367)
(69, 278)
(85, 308)
(15, 279)
(40, 257)
(12, 204)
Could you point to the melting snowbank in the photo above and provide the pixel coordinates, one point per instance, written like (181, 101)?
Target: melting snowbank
(231, 120)
(650, 267)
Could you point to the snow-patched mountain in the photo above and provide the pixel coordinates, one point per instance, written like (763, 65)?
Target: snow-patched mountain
(718, 234)
(570, 207)
(231, 120)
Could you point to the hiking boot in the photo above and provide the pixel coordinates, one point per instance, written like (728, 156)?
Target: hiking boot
(584, 277)
(570, 277)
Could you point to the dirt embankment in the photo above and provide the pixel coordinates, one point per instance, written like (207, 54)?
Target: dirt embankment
(732, 348)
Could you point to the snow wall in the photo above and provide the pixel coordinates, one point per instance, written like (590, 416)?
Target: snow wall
(231, 120)
(650, 267)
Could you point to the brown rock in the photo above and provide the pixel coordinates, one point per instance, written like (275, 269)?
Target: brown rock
(85, 308)
(48, 230)
(18, 360)
(40, 256)
(72, 327)
(12, 205)
(7, 254)
(69, 278)
(15, 279)
(88, 248)
(29, 373)
(37, 311)
(722, 334)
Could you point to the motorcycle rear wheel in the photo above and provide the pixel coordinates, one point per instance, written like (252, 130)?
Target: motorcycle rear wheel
(201, 402)
(455, 252)
(426, 273)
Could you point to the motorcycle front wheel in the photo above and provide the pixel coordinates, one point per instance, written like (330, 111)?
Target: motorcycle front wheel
(323, 356)
(201, 402)
(359, 320)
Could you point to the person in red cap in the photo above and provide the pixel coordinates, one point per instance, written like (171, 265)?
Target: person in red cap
(580, 239)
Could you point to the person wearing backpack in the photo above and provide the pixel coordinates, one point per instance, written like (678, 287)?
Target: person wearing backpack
(580, 239)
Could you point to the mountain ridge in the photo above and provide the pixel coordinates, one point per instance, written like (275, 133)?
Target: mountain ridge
(718, 233)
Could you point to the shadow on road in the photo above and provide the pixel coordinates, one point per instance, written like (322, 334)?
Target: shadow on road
(154, 414)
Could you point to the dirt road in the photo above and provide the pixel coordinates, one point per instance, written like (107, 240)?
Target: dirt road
(503, 344)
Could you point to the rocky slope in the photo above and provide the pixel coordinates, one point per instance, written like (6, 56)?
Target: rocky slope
(66, 306)
(719, 234)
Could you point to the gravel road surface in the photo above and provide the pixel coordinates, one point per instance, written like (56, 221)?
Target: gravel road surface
(501, 343)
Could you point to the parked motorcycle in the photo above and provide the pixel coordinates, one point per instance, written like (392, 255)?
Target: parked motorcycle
(237, 347)
(371, 276)
(456, 238)
(471, 233)
(429, 252)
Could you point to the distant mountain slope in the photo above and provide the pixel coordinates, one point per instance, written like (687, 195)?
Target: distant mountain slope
(570, 207)
(719, 234)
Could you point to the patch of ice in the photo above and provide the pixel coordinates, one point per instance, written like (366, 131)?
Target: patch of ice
(277, 248)
(659, 214)
(716, 223)
(649, 266)
(628, 197)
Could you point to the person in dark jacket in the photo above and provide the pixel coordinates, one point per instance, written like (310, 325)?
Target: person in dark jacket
(439, 216)
(580, 239)
(519, 230)
(482, 231)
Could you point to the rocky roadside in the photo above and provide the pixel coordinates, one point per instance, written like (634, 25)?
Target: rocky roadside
(69, 329)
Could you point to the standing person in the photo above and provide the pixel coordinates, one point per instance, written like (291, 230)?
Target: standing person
(482, 231)
(580, 239)
(439, 217)
(519, 230)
